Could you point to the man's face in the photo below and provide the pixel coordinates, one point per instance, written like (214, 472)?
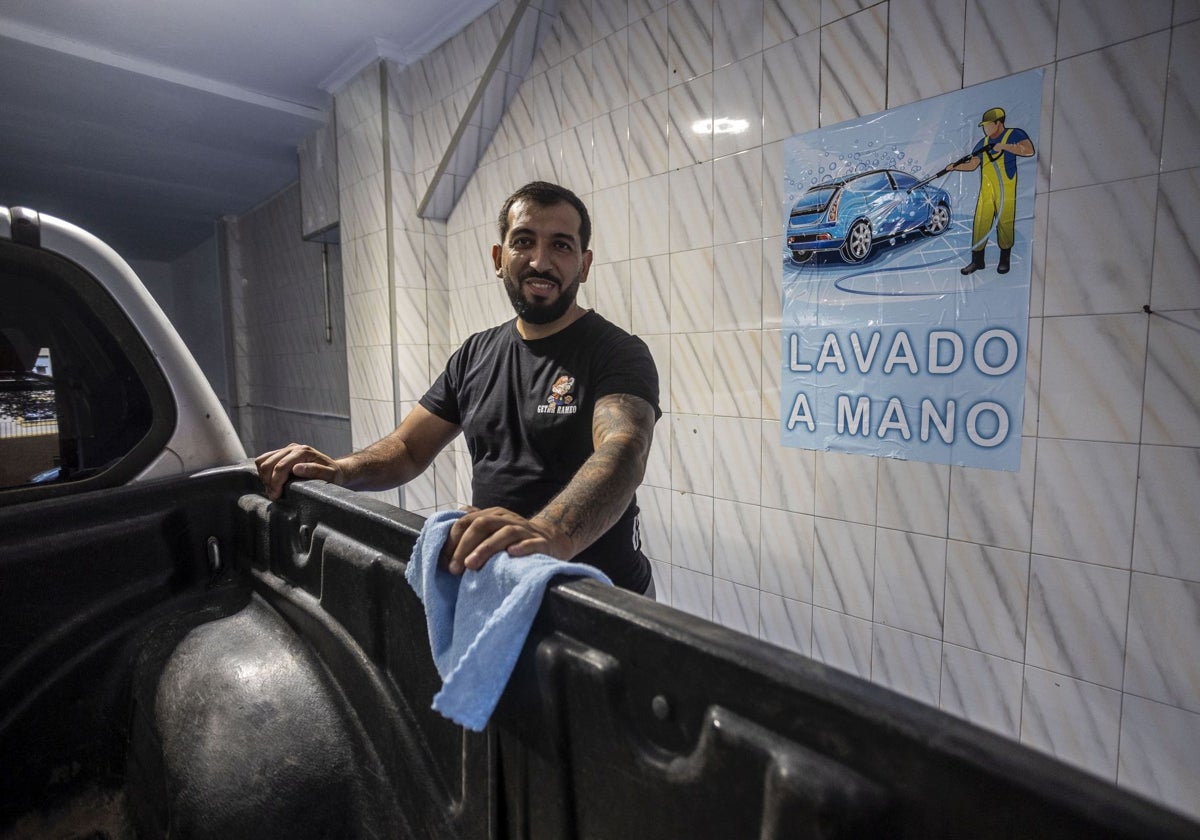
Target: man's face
(540, 260)
(993, 129)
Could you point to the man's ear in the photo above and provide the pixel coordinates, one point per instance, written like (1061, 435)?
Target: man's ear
(497, 252)
(587, 266)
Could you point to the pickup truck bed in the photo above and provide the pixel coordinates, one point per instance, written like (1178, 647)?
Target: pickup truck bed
(182, 658)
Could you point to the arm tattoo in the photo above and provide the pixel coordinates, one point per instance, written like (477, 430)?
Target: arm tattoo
(622, 430)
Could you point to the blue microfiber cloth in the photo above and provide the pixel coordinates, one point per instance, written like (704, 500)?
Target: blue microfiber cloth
(478, 621)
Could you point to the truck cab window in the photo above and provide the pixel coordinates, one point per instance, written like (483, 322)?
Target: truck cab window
(29, 447)
(75, 379)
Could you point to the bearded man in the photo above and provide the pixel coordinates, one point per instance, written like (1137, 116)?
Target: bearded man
(549, 477)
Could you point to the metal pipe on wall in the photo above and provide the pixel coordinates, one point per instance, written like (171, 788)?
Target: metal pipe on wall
(325, 281)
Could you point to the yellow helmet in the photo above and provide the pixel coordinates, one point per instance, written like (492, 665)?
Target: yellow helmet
(992, 115)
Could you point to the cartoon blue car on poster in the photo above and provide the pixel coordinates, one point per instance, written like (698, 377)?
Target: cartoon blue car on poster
(850, 215)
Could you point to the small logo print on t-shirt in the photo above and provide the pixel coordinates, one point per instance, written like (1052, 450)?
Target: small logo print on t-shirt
(561, 400)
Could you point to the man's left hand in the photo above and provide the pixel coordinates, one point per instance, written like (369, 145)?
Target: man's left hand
(478, 535)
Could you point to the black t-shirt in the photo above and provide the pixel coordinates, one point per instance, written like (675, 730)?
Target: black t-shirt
(525, 408)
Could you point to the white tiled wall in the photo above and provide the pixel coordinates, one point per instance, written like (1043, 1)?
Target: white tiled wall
(1059, 604)
(290, 376)
(363, 212)
(317, 162)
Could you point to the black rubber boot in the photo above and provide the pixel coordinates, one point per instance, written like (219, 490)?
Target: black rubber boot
(1002, 267)
(975, 264)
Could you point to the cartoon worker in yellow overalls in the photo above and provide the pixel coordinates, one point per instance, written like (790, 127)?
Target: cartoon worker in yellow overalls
(997, 152)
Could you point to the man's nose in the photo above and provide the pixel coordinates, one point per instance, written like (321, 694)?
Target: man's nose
(539, 255)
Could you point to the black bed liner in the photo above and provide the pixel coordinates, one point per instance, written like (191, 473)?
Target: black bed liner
(233, 667)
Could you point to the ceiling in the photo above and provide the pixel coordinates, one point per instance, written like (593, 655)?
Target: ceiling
(144, 121)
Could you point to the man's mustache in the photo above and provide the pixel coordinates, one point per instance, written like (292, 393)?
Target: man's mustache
(539, 275)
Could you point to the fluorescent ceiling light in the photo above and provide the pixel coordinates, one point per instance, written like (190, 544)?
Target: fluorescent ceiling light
(721, 125)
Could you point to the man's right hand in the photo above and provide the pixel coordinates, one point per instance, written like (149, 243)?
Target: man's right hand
(275, 468)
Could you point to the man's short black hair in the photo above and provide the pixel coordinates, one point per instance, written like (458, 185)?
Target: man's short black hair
(545, 194)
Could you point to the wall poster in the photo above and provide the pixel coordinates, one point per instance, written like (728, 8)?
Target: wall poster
(906, 275)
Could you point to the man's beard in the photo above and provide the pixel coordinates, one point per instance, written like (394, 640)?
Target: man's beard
(534, 312)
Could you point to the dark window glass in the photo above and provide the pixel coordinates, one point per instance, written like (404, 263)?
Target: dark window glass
(814, 201)
(29, 443)
(875, 182)
(75, 380)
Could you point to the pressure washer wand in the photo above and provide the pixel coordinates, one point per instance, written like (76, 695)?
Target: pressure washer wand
(987, 148)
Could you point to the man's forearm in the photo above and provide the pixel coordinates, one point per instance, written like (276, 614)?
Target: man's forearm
(602, 488)
(381, 466)
(595, 499)
(400, 456)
